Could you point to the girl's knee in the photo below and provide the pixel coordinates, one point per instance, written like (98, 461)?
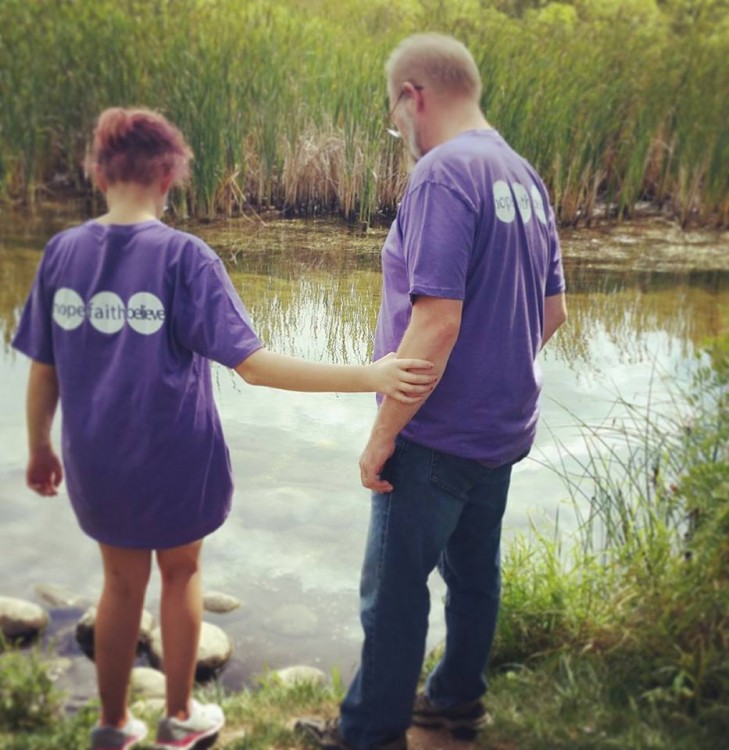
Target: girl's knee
(126, 571)
(180, 563)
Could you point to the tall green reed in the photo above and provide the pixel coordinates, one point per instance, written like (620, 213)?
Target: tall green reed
(284, 101)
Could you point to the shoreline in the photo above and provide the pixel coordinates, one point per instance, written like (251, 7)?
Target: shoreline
(605, 216)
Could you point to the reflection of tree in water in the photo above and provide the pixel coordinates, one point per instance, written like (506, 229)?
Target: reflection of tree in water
(328, 308)
(313, 289)
(317, 315)
(626, 307)
(17, 269)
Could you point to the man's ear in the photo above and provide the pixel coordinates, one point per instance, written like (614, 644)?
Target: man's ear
(415, 92)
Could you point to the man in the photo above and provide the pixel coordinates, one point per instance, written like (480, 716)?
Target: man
(472, 280)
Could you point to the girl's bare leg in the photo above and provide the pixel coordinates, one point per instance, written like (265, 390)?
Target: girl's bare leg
(126, 573)
(181, 615)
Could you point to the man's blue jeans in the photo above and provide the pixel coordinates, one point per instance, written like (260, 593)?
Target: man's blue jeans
(443, 511)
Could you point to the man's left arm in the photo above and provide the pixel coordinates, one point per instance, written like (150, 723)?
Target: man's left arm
(431, 334)
(555, 314)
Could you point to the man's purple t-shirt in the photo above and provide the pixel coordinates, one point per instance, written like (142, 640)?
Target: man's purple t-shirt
(129, 316)
(475, 225)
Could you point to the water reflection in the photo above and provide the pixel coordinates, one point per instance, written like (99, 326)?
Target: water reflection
(627, 311)
(296, 532)
(313, 287)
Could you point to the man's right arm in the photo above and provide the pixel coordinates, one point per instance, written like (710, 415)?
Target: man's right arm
(434, 326)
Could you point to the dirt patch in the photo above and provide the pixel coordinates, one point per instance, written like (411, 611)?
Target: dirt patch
(422, 739)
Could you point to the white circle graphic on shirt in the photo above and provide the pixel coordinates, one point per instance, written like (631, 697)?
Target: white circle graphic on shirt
(504, 202)
(106, 312)
(69, 310)
(145, 313)
(538, 205)
(522, 201)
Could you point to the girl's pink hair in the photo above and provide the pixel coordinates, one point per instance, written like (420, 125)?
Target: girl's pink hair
(138, 145)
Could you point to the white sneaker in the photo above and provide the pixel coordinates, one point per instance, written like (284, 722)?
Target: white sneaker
(205, 720)
(118, 738)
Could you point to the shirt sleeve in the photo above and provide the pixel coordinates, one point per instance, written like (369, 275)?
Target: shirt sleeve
(438, 234)
(34, 334)
(210, 319)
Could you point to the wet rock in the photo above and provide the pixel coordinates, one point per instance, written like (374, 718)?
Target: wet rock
(21, 619)
(85, 631)
(147, 683)
(213, 651)
(215, 601)
(301, 674)
(294, 621)
(215, 648)
(58, 596)
(145, 630)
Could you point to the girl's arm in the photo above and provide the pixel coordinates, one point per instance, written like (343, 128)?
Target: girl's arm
(407, 380)
(44, 472)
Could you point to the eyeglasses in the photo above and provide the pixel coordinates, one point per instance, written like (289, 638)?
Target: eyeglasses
(394, 133)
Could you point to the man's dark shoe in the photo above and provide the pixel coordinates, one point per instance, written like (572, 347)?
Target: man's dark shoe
(463, 722)
(327, 736)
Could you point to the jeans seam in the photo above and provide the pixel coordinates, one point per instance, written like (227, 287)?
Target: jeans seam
(376, 615)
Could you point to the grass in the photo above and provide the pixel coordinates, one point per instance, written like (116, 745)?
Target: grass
(628, 634)
(617, 639)
(284, 101)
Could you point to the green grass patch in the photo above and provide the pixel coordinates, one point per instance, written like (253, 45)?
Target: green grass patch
(624, 641)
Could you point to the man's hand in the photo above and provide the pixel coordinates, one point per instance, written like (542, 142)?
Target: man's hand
(44, 472)
(372, 461)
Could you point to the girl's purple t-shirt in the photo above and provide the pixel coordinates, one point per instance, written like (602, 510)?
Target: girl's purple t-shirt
(129, 316)
(475, 225)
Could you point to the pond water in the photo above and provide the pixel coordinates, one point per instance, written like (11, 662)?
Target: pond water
(642, 297)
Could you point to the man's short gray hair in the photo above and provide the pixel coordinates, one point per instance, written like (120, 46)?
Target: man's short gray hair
(434, 60)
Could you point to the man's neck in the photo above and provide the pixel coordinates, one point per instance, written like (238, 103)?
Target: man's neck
(455, 120)
(462, 122)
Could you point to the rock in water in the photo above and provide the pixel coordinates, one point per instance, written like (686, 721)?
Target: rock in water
(85, 631)
(215, 601)
(213, 651)
(58, 596)
(301, 674)
(147, 683)
(21, 619)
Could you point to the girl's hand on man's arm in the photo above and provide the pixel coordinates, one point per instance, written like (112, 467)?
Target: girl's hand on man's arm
(407, 380)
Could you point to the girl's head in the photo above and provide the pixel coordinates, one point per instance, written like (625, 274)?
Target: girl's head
(138, 146)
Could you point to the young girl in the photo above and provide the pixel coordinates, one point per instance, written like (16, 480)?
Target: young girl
(123, 316)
